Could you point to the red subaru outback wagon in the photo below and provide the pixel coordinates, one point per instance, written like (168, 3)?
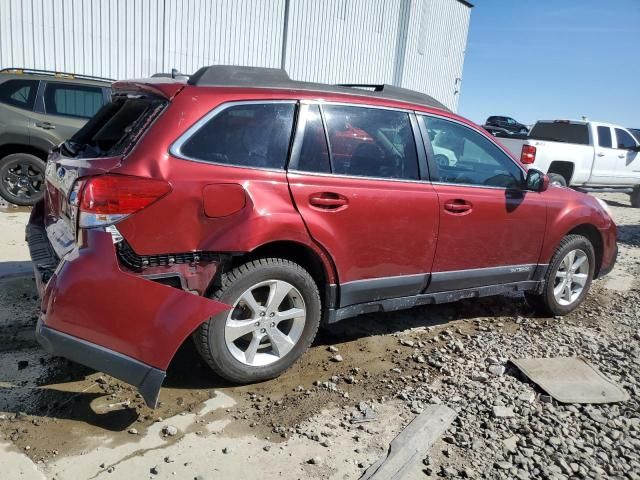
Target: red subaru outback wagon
(243, 209)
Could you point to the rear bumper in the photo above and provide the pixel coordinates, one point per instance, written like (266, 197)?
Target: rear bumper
(97, 314)
(147, 379)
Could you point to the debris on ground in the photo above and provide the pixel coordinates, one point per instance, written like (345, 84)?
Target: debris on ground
(571, 380)
(411, 443)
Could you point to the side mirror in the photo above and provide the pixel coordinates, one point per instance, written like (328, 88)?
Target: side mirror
(635, 149)
(536, 181)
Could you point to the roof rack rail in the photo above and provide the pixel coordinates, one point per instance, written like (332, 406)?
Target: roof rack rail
(397, 93)
(232, 75)
(260, 77)
(54, 74)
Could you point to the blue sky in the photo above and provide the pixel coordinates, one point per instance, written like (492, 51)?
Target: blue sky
(546, 59)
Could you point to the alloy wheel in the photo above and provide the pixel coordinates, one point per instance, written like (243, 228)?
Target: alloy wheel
(571, 277)
(266, 323)
(23, 180)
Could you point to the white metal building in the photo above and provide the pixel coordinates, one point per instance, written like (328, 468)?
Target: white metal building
(417, 44)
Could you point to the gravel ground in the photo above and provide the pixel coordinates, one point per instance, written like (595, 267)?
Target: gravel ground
(334, 412)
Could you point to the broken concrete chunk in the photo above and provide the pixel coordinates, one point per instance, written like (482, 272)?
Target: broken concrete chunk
(479, 377)
(503, 412)
(497, 370)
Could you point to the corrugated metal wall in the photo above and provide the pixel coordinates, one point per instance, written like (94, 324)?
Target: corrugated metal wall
(417, 44)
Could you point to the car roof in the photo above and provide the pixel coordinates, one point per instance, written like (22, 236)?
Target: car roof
(277, 78)
(25, 73)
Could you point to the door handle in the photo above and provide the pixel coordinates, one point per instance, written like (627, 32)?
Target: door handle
(458, 206)
(622, 155)
(328, 201)
(600, 154)
(45, 125)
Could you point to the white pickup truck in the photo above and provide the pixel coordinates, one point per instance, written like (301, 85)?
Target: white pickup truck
(588, 156)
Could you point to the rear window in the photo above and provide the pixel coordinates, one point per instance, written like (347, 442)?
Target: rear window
(561, 132)
(249, 135)
(116, 127)
(19, 93)
(72, 100)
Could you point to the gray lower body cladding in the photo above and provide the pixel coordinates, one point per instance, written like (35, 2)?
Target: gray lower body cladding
(147, 379)
(398, 293)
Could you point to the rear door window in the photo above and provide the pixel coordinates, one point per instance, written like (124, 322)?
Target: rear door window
(19, 93)
(72, 100)
(604, 137)
(371, 142)
(249, 135)
(624, 140)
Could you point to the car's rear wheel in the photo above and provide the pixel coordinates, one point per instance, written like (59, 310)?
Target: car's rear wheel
(635, 197)
(568, 277)
(22, 179)
(274, 318)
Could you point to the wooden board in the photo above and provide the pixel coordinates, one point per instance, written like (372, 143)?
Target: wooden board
(411, 444)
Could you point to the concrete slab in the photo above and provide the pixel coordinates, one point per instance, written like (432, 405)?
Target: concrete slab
(17, 465)
(571, 380)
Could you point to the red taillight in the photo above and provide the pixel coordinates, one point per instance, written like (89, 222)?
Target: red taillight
(120, 194)
(106, 199)
(528, 154)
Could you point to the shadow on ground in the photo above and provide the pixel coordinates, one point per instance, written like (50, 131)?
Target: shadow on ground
(629, 235)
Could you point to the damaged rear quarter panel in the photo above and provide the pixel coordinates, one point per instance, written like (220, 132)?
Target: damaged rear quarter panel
(93, 299)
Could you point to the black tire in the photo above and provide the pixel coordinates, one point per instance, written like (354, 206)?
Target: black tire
(557, 179)
(209, 338)
(546, 303)
(22, 179)
(635, 197)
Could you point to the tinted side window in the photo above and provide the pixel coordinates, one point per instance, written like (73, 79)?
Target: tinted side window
(371, 142)
(604, 137)
(314, 154)
(72, 100)
(624, 140)
(464, 156)
(19, 93)
(252, 135)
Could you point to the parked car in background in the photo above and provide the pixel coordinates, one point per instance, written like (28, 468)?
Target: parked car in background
(501, 132)
(38, 110)
(506, 123)
(242, 209)
(591, 156)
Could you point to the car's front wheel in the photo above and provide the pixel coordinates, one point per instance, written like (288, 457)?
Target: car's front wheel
(568, 277)
(274, 318)
(22, 179)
